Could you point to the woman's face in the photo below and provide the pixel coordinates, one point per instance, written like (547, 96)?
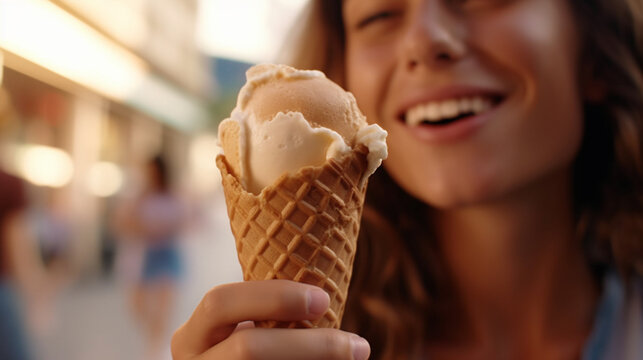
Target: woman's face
(480, 97)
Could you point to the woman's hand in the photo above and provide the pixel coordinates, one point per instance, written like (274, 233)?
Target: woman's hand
(221, 326)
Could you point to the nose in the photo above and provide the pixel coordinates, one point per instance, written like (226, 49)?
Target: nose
(435, 37)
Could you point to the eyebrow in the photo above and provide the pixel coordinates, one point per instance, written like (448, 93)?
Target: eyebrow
(350, 3)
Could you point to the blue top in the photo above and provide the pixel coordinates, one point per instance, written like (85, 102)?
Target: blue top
(618, 326)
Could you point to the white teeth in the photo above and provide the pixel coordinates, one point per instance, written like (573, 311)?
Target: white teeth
(439, 110)
(432, 111)
(465, 104)
(479, 105)
(449, 108)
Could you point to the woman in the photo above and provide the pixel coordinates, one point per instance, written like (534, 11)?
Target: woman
(508, 220)
(156, 219)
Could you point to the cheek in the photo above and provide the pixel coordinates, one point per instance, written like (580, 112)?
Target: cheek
(535, 46)
(367, 72)
(535, 38)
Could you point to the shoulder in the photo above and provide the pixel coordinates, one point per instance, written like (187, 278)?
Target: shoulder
(631, 322)
(618, 323)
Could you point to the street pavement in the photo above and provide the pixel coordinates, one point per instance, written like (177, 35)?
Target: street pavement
(91, 319)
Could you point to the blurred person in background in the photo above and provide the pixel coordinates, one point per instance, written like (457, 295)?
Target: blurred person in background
(21, 271)
(50, 226)
(17, 268)
(155, 219)
(54, 232)
(514, 229)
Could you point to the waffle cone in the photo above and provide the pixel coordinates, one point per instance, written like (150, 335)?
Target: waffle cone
(304, 227)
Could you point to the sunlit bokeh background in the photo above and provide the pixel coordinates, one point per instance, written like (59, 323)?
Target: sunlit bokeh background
(92, 89)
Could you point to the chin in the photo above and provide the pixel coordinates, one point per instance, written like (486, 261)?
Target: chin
(452, 201)
(451, 194)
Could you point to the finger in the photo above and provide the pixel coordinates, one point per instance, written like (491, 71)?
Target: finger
(223, 307)
(245, 325)
(290, 344)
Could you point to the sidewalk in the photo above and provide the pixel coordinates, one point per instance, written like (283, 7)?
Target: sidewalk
(92, 320)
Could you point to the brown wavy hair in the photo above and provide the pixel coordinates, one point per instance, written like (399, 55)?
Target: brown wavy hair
(399, 285)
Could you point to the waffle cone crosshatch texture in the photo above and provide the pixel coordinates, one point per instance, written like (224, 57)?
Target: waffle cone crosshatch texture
(304, 227)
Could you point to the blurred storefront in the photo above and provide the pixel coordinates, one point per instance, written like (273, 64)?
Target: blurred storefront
(90, 90)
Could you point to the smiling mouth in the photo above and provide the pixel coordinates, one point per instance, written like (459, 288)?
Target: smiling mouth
(440, 113)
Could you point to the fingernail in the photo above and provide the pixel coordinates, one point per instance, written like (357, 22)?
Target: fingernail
(361, 349)
(318, 301)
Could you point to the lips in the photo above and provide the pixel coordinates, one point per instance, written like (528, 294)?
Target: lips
(444, 109)
(449, 114)
(447, 111)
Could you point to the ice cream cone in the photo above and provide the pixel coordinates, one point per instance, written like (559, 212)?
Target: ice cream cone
(304, 227)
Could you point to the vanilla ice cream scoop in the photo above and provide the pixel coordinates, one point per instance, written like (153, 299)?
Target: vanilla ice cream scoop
(286, 119)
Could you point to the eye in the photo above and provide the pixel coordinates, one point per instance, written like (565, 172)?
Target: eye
(376, 17)
(479, 4)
